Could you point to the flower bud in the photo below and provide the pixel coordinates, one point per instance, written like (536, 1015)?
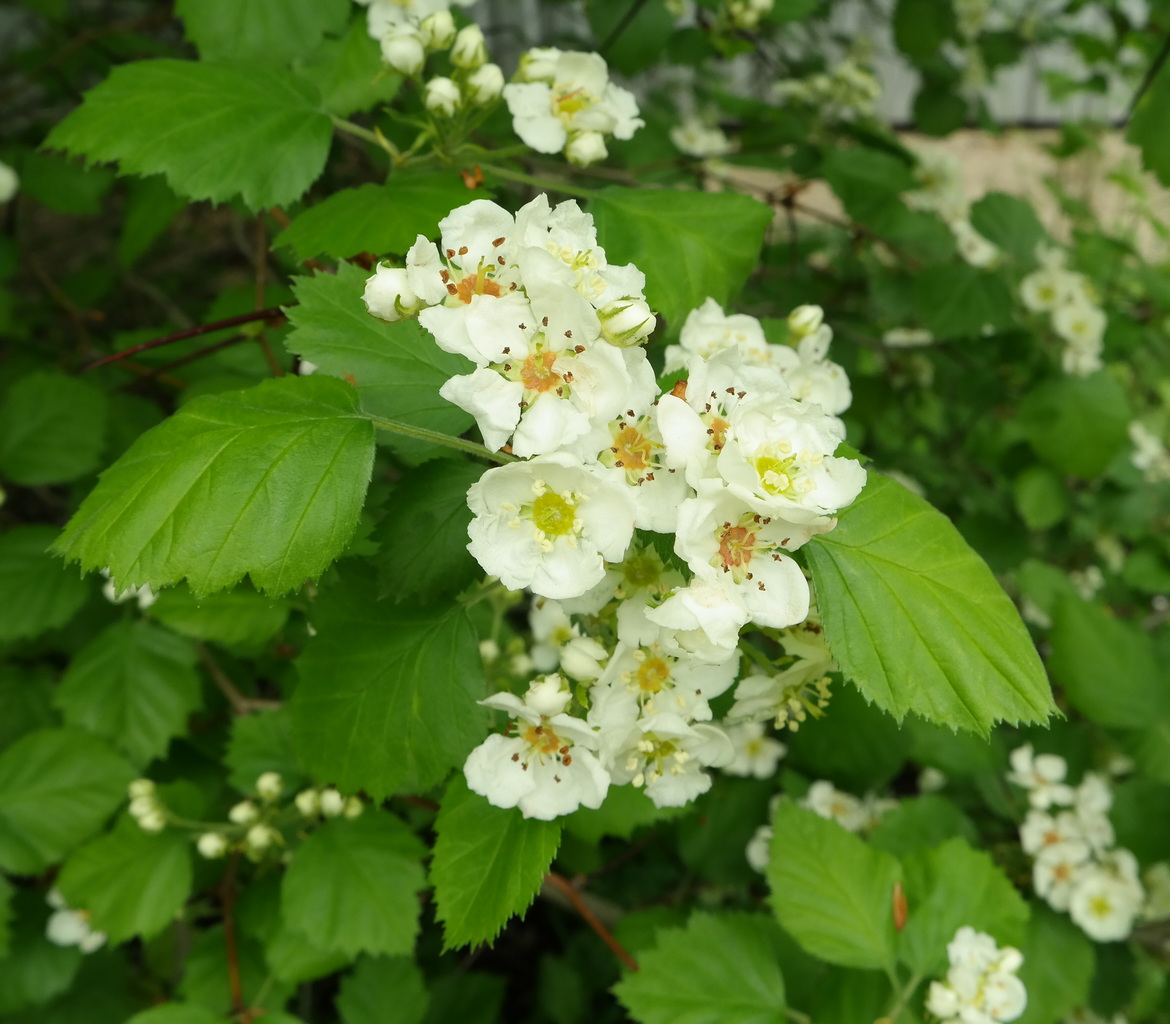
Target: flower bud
(403, 50)
(626, 322)
(485, 85)
(308, 802)
(141, 787)
(269, 786)
(353, 807)
(549, 695)
(153, 821)
(260, 837)
(388, 294)
(9, 182)
(438, 31)
(581, 658)
(469, 50)
(442, 97)
(538, 64)
(332, 802)
(212, 845)
(140, 806)
(805, 319)
(586, 148)
(244, 813)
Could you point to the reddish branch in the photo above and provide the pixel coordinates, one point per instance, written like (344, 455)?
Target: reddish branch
(228, 897)
(573, 895)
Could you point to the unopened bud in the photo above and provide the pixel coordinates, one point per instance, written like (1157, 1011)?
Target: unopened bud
(805, 319)
(212, 845)
(141, 787)
(538, 64)
(485, 85)
(586, 148)
(244, 813)
(308, 802)
(388, 294)
(353, 807)
(153, 821)
(469, 50)
(332, 802)
(143, 805)
(260, 837)
(438, 31)
(403, 50)
(269, 786)
(626, 322)
(442, 97)
(548, 695)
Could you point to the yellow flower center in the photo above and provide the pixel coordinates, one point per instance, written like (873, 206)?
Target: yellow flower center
(553, 515)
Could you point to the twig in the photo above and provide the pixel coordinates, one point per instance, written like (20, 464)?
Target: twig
(616, 33)
(241, 705)
(202, 353)
(227, 893)
(272, 313)
(573, 895)
(1150, 75)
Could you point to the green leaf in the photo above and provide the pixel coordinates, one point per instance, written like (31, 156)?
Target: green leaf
(235, 618)
(916, 619)
(270, 31)
(961, 301)
(36, 970)
(396, 368)
(26, 700)
(951, 886)
(1147, 126)
(625, 810)
(1010, 223)
(867, 181)
(267, 482)
(387, 693)
(1059, 960)
(1076, 424)
(832, 892)
(350, 72)
(429, 502)
(1040, 497)
(215, 130)
(383, 991)
(921, 27)
(150, 208)
(6, 916)
(1107, 667)
(375, 218)
(176, 1013)
(352, 885)
(1141, 817)
(488, 864)
(64, 185)
(690, 245)
(132, 882)
(52, 429)
(50, 593)
(134, 684)
(938, 109)
(716, 970)
(205, 977)
(920, 823)
(262, 743)
(57, 786)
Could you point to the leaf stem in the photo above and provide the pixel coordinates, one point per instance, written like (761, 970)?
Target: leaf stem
(240, 704)
(447, 440)
(541, 183)
(377, 138)
(573, 895)
(904, 995)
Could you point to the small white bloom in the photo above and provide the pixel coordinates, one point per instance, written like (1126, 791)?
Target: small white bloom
(388, 294)
(1043, 776)
(441, 96)
(973, 247)
(269, 786)
(261, 837)
(437, 30)
(585, 148)
(9, 182)
(354, 807)
(404, 49)
(759, 849)
(695, 137)
(308, 802)
(332, 803)
(243, 813)
(627, 321)
(67, 927)
(153, 821)
(212, 845)
(1104, 903)
(140, 788)
(826, 801)
(756, 754)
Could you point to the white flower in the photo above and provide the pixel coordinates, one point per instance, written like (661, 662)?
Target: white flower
(668, 680)
(212, 845)
(404, 49)
(981, 985)
(9, 182)
(441, 96)
(585, 148)
(332, 803)
(388, 294)
(756, 754)
(759, 849)
(354, 808)
(626, 321)
(1106, 899)
(973, 247)
(1150, 454)
(260, 837)
(826, 801)
(269, 786)
(696, 138)
(1042, 775)
(243, 813)
(469, 50)
(384, 14)
(547, 767)
(1058, 869)
(704, 607)
(485, 85)
(116, 595)
(67, 927)
(550, 524)
(708, 330)
(308, 802)
(140, 788)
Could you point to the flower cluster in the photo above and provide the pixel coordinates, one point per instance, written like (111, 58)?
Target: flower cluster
(982, 986)
(1149, 454)
(1077, 868)
(1071, 301)
(846, 92)
(68, 927)
(146, 807)
(563, 101)
(940, 191)
(854, 814)
(735, 465)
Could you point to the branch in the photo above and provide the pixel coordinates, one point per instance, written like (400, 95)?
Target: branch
(573, 895)
(241, 705)
(1150, 75)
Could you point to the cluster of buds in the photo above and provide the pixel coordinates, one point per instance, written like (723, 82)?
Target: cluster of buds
(746, 15)
(145, 806)
(845, 92)
(328, 803)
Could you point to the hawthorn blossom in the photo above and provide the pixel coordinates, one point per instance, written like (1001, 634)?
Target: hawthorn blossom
(1042, 775)
(756, 754)
(382, 15)
(1108, 897)
(68, 927)
(981, 986)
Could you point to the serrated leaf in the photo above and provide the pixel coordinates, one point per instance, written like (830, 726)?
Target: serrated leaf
(830, 891)
(176, 1013)
(717, 970)
(52, 429)
(961, 301)
(134, 684)
(57, 786)
(396, 368)
(50, 593)
(261, 743)
(916, 619)
(206, 984)
(690, 245)
(36, 970)
(350, 72)
(383, 991)
(1076, 424)
(947, 888)
(429, 502)
(1059, 960)
(215, 130)
(1009, 223)
(1147, 127)
(131, 882)
(261, 30)
(235, 618)
(488, 864)
(352, 885)
(1107, 667)
(387, 693)
(266, 482)
(378, 219)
